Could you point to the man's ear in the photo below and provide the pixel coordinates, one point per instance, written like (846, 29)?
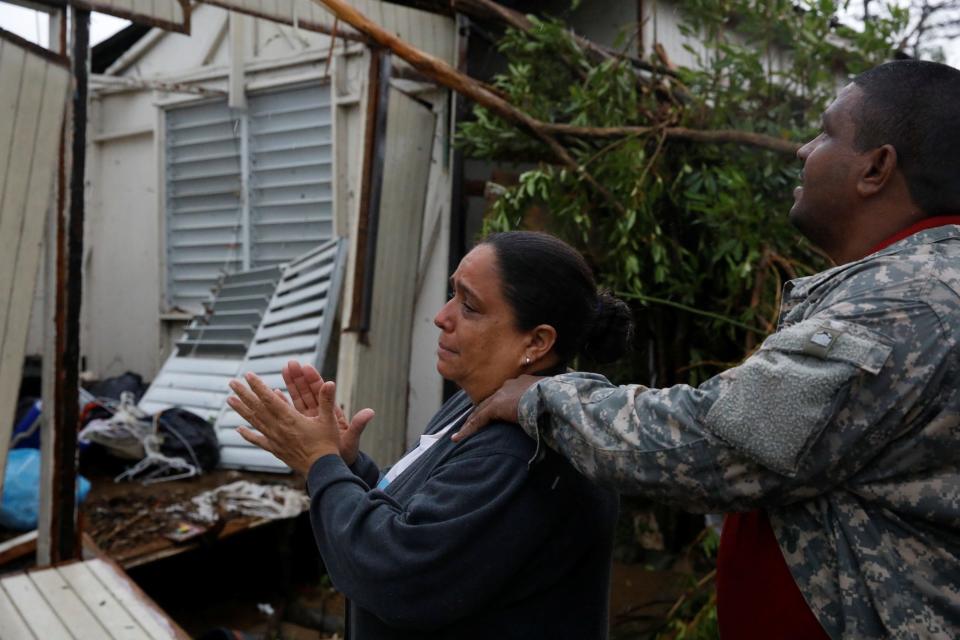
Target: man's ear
(881, 164)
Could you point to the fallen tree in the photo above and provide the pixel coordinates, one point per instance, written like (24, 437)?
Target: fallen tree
(443, 74)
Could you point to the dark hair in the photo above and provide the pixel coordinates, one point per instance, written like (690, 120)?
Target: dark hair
(914, 105)
(546, 281)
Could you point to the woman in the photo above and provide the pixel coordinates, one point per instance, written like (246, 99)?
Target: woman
(488, 538)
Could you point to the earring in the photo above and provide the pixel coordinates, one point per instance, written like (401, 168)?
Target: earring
(526, 361)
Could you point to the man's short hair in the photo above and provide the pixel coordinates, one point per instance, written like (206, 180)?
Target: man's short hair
(915, 106)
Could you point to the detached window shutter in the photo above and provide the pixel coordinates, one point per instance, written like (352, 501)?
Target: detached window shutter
(204, 229)
(291, 204)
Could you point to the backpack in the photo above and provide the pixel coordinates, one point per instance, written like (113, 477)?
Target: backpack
(188, 436)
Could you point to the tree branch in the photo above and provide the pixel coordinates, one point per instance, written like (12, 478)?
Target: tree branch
(488, 9)
(444, 74)
(715, 136)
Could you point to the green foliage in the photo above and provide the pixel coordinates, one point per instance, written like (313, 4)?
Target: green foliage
(701, 242)
(697, 618)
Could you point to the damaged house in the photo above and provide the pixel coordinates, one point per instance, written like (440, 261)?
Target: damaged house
(260, 184)
(259, 137)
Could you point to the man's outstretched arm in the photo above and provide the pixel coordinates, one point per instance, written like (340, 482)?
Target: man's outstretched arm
(791, 421)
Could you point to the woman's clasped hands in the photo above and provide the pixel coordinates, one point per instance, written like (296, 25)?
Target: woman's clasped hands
(303, 429)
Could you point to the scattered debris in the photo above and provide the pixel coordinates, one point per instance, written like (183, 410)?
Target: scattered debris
(136, 523)
(184, 532)
(123, 433)
(251, 499)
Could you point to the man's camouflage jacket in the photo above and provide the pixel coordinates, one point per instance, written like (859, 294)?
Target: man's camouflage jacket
(844, 426)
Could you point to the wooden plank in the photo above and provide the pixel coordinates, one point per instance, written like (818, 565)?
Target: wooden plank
(67, 604)
(12, 626)
(18, 547)
(137, 604)
(101, 603)
(36, 612)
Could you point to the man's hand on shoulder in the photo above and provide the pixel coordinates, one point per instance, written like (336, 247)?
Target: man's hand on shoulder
(502, 405)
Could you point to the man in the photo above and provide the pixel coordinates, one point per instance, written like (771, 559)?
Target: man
(835, 446)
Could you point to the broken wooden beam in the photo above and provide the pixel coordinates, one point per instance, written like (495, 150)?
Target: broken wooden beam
(16, 548)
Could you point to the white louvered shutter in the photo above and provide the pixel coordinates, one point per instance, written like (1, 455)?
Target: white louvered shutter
(204, 209)
(291, 204)
(278, 154)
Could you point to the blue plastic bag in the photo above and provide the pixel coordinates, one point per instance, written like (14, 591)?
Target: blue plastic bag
(21, 490)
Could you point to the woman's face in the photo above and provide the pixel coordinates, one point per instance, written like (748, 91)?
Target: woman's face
(480, 346)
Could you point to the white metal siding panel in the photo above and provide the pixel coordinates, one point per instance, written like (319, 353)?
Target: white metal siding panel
(291, 204)
(306, 13)
(167, 14)
(382, 368)
(428, 31)
(31, 115)
(426, 385)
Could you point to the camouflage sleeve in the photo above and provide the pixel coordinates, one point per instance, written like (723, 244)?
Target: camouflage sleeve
(808, 409)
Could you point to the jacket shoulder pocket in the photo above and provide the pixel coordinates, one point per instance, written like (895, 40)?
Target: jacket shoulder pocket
(775, 405)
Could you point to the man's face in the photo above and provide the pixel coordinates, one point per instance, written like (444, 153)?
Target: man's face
(824, 202)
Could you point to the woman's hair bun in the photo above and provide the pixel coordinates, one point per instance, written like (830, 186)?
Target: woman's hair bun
(611, 331)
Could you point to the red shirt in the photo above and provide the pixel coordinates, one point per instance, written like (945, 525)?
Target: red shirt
(757, 598)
